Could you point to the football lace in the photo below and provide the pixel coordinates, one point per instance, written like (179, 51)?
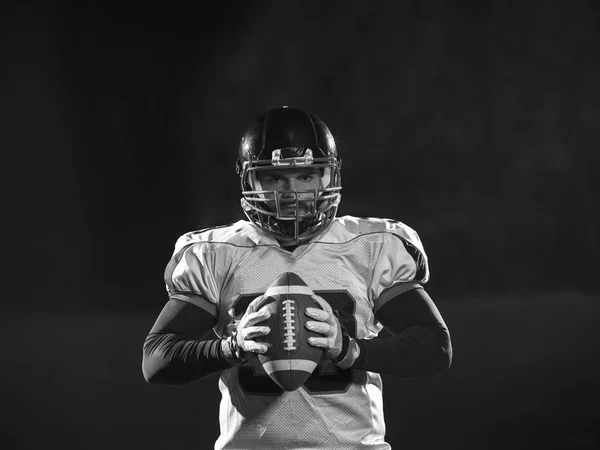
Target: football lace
(289, 341)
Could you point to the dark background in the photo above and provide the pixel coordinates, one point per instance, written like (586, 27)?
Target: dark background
(476, 123)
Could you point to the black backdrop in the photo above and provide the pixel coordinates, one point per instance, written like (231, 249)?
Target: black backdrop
(473, 122)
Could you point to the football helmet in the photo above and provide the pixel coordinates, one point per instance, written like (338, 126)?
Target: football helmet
(289, 138)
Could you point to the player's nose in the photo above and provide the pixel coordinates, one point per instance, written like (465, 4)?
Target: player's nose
(290, 185)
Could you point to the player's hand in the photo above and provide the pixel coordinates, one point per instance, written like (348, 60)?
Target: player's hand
(327, 324)
(249, 327)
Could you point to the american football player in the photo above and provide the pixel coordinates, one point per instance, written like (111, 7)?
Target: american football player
(367, 274)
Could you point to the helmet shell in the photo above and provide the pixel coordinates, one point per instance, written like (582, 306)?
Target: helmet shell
(286, 128)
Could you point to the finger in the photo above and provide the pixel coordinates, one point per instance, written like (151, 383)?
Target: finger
(318, 327)
(317, 314)
(256, 303)
(322, 303)
(318, 342)
(255, 347)
(270, 308)
(254, 318)
(253, 332)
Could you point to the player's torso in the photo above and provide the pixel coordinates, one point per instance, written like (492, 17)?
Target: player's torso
(334, 407)
(337, 272)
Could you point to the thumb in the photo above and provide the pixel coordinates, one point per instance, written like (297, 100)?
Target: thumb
(322, 303)
(256, 304)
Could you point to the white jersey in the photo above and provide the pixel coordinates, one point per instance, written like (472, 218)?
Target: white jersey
(356, 264)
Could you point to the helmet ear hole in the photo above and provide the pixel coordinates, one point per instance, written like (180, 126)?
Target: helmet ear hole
(325, 177)
(254, 182)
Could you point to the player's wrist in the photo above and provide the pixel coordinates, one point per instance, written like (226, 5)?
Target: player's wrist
(349, 353)
(344, 347)
(232, 352)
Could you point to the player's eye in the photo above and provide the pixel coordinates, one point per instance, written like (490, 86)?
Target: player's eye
(270, 179)
(307, 177)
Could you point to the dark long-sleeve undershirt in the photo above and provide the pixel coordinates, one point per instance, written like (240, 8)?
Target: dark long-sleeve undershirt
(420, 343)
(172, 359)
(419, 350)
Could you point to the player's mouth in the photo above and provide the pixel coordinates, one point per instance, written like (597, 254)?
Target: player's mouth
(292, 204)
(287, 207)
(290, 207)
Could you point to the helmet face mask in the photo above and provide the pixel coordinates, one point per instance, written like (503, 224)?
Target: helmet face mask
(290, 216)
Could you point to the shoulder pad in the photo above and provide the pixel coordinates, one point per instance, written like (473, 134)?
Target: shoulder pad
(410, 238)
(240, 233)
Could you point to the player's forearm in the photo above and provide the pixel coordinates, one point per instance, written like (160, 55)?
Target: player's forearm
(418, 350)
(171, 359)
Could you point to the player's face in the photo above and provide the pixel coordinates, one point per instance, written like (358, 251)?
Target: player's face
(302, 179)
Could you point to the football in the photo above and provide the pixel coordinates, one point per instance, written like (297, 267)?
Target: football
(290, 359)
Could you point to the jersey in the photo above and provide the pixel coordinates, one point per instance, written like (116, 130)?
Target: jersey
(356, 264)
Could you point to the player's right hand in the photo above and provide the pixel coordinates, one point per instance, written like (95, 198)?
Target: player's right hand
(250, 326)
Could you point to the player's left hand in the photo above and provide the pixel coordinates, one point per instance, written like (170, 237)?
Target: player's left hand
(327, 324)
